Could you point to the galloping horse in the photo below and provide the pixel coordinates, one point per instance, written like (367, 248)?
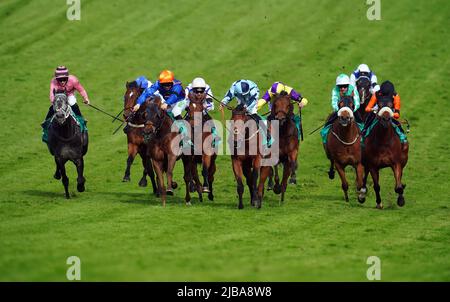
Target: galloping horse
(246, 160)
(383, 148)
(282, 110)
(363, 86)
(209, 153)
(343, 147)
(135, 138)
(163, 150)
(67, 142)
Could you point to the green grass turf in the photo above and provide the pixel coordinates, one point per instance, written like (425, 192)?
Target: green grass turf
(121, 232)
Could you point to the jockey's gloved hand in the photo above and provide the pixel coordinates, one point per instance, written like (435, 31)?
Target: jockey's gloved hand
(164, 106)
(303, 102)
(86, 101)
(136, 107)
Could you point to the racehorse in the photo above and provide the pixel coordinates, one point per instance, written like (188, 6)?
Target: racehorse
(343, 146)
(67, 142)
(282, 111)
(135, 138)
(246, 160)
(209, 153)
(383, 148)
(363, 87)
(163, 150)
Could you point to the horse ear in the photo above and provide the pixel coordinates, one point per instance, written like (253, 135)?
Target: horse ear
(127, 85)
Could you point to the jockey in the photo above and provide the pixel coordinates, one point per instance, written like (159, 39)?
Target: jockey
(199, 86)
(387, 90)
(63, 81)
(363, 71)
(276, 89)
(143, 82)
(167, 87)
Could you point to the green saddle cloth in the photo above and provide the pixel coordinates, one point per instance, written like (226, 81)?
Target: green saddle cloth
(325, 130)
(400, 134)
(46, 125)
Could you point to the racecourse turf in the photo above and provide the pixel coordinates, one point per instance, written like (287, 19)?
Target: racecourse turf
(121, 232)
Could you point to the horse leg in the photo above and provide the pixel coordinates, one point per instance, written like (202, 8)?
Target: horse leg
(64, 179)
(376, 186)
(286, 174)
(187, 178)
(397, 168)
(270, 183)
(206, 163)
(197, 182)
(248, 178)
(79, 163)
(212, 170)
(254, 194)
(151, 173)
(237, 169)
(143, 181)
(170, 166)
(265, 172)
(331, 171)
(57, 174)
(360, 185)
(277, 186)
(341, 172)
(293, 178)
(158, 165)
(132, 151)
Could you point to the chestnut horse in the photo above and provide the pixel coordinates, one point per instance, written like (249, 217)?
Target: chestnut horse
(382, 148)
(282, 111)
(208, 157)
(343, 147)
(164, 150)
(245, 158)
(135, 138)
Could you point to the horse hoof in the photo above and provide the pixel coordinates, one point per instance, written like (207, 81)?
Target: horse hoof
(361, 199)
(211, 196)
(126, 179)
(67, 196)
(169, 192)
(80, 187)
(205, 190)
(292, 181)
(174, 185)
(269, 188)
(380, 206)
(57, 175)
(188, 203)
(240, 207)
(143, 182)
(277, 189)
(331, 174)
(157, 194)
(401, 201)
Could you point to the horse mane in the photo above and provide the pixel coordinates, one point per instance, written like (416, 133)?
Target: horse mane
(347, 99)
(239, 109)
(133, 84)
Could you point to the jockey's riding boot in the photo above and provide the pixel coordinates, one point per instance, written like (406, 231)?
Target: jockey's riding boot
(126, 128)
(358, 117)
(399, 125)
(76, 109)
(50, 113)
(367, 123)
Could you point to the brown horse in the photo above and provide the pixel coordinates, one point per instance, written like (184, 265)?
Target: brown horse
(282, 111)
(383, 148)
(135, 138)
(208, 153)
(343, 147)
(363, 87)
(163, 150)
(245, 158)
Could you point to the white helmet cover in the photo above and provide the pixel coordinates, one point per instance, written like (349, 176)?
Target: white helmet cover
(363, 68)
(342, 79)
(198, 83)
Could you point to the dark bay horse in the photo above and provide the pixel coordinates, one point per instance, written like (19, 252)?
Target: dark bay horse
(164, 150)
(363, 86)
(382, 148)
(282, 111)
(67, 142)
(208, 153)
(245, 158)
(343, 147)
(135, 138)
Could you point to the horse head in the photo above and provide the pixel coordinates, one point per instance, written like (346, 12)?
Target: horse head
(130, 97)
(363, 86)
(386, 110)
(282, 107)
(345, 113)
(154, 117)
(195, 106)
(61, 107)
